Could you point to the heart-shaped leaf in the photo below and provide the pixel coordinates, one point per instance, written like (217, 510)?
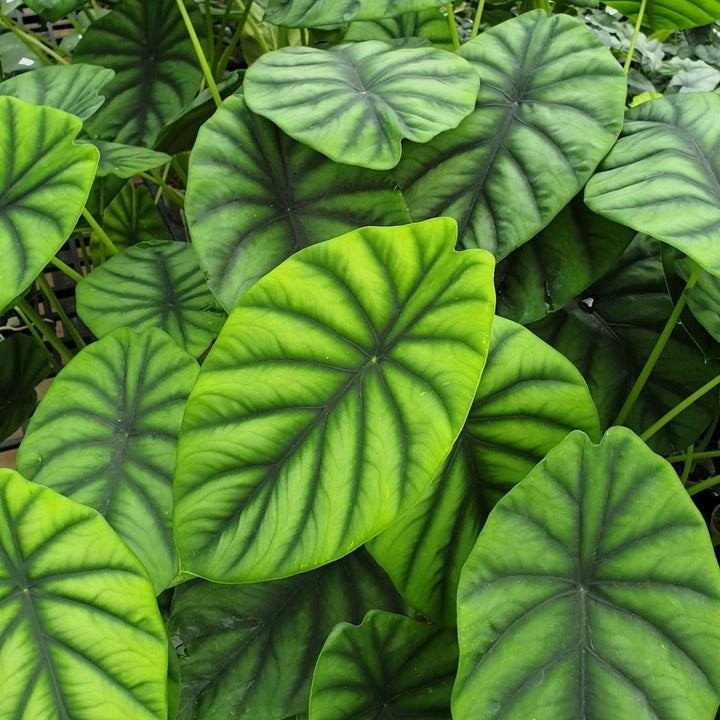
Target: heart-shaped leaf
(592, 592)
(156, 72)
(670, 14)
(72, 88)
(355, 103)
(105, 435)
(429, 26)
(575, 249)
(609, 331)
(306, 433)
(236, 643)
(39, 163)
(390, 666)
(23, 364)
(530, 397)
(124, 161)
(276, 196)
(53, 10)
(80, 631)
(152, 285)
(663, 175)
(550, 106)
(316, 13)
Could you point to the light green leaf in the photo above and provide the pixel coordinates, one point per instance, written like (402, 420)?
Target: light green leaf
(236, 643)
(156, 72)
(355, 103)
(390, 666)
(152, 285)
(529, 398)
(670, 14)
(72, 88)
(45, 179)
(428, 26)
(105, 435)
(316, 13)
(592, 592)
(703, 299)
(80, 631)
(575, 249)
(663, 175)
(608, 332)
(550, 107)
(124, 161)
(255, 196)
(53, 10)
(23, 364)
(306, 433)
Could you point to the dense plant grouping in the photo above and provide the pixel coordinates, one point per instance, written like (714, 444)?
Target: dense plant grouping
(404, 365)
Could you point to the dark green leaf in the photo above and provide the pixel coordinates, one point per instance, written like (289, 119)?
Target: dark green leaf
(53, 10)
(429, 26)
(255, 196)
(306, 433)
(704, 299)
(593, 592)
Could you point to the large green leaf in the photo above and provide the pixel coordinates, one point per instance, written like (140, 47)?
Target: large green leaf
(356, 102)
(53, 10)
(550, 106)
(573, 251)
(429, 26)
(152, 285)
(663, 175)
(250, 650)
(156, 72)
(45, 179)
(530, 397)
(593, 592)
(72, 88)
(670, 14)
(704, 298)
(307, 431)
(23, 364)
(105, 435)
(390, 666)
(609, 331)
(80, 632)
(255, 196)
(316, 13)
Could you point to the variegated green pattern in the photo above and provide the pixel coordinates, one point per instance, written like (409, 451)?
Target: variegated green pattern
(356, 102)
(307, 431)
(105, 435)
(671, 14)
(550, 107)
(428, 27)
(80, 631)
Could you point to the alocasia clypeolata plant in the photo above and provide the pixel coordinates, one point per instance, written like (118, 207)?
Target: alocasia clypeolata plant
(303, 468)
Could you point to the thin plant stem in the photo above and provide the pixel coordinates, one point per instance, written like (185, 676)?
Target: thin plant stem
(254, 27)
(66, 270)
(209, 36)
(476, 22)
(453, 26)
(684, 405)
(36, 47)
(60, 310)
(171, 192)
(107, 243)
(696, 456)
(88, 15)
(636, 32)
(207, 73)
(73, 21)
(164, 175)
(31, 39)
(687, 466)
(177, 167)
(230, 49)
(217, 50)
(32, 318)
(704, 485)
(95, 8)
(37, 337)
(657, 350)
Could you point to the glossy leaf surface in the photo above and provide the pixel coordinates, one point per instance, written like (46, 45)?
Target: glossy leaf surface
(23, 364)
(425, 26)
(124, 161)
(80, 632)
(355, 103)
(306, 433)
(671, 14)
(529, 398)
(277, 196)
(564, 610)
(316, 13)
(76, 89)
(105, 435)
(236, 643)
(608, 332)
(39, 163)
(156, 72)
(53, 10)
(152, 285)
(663, 175)
(550, 106)
(390, 666)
